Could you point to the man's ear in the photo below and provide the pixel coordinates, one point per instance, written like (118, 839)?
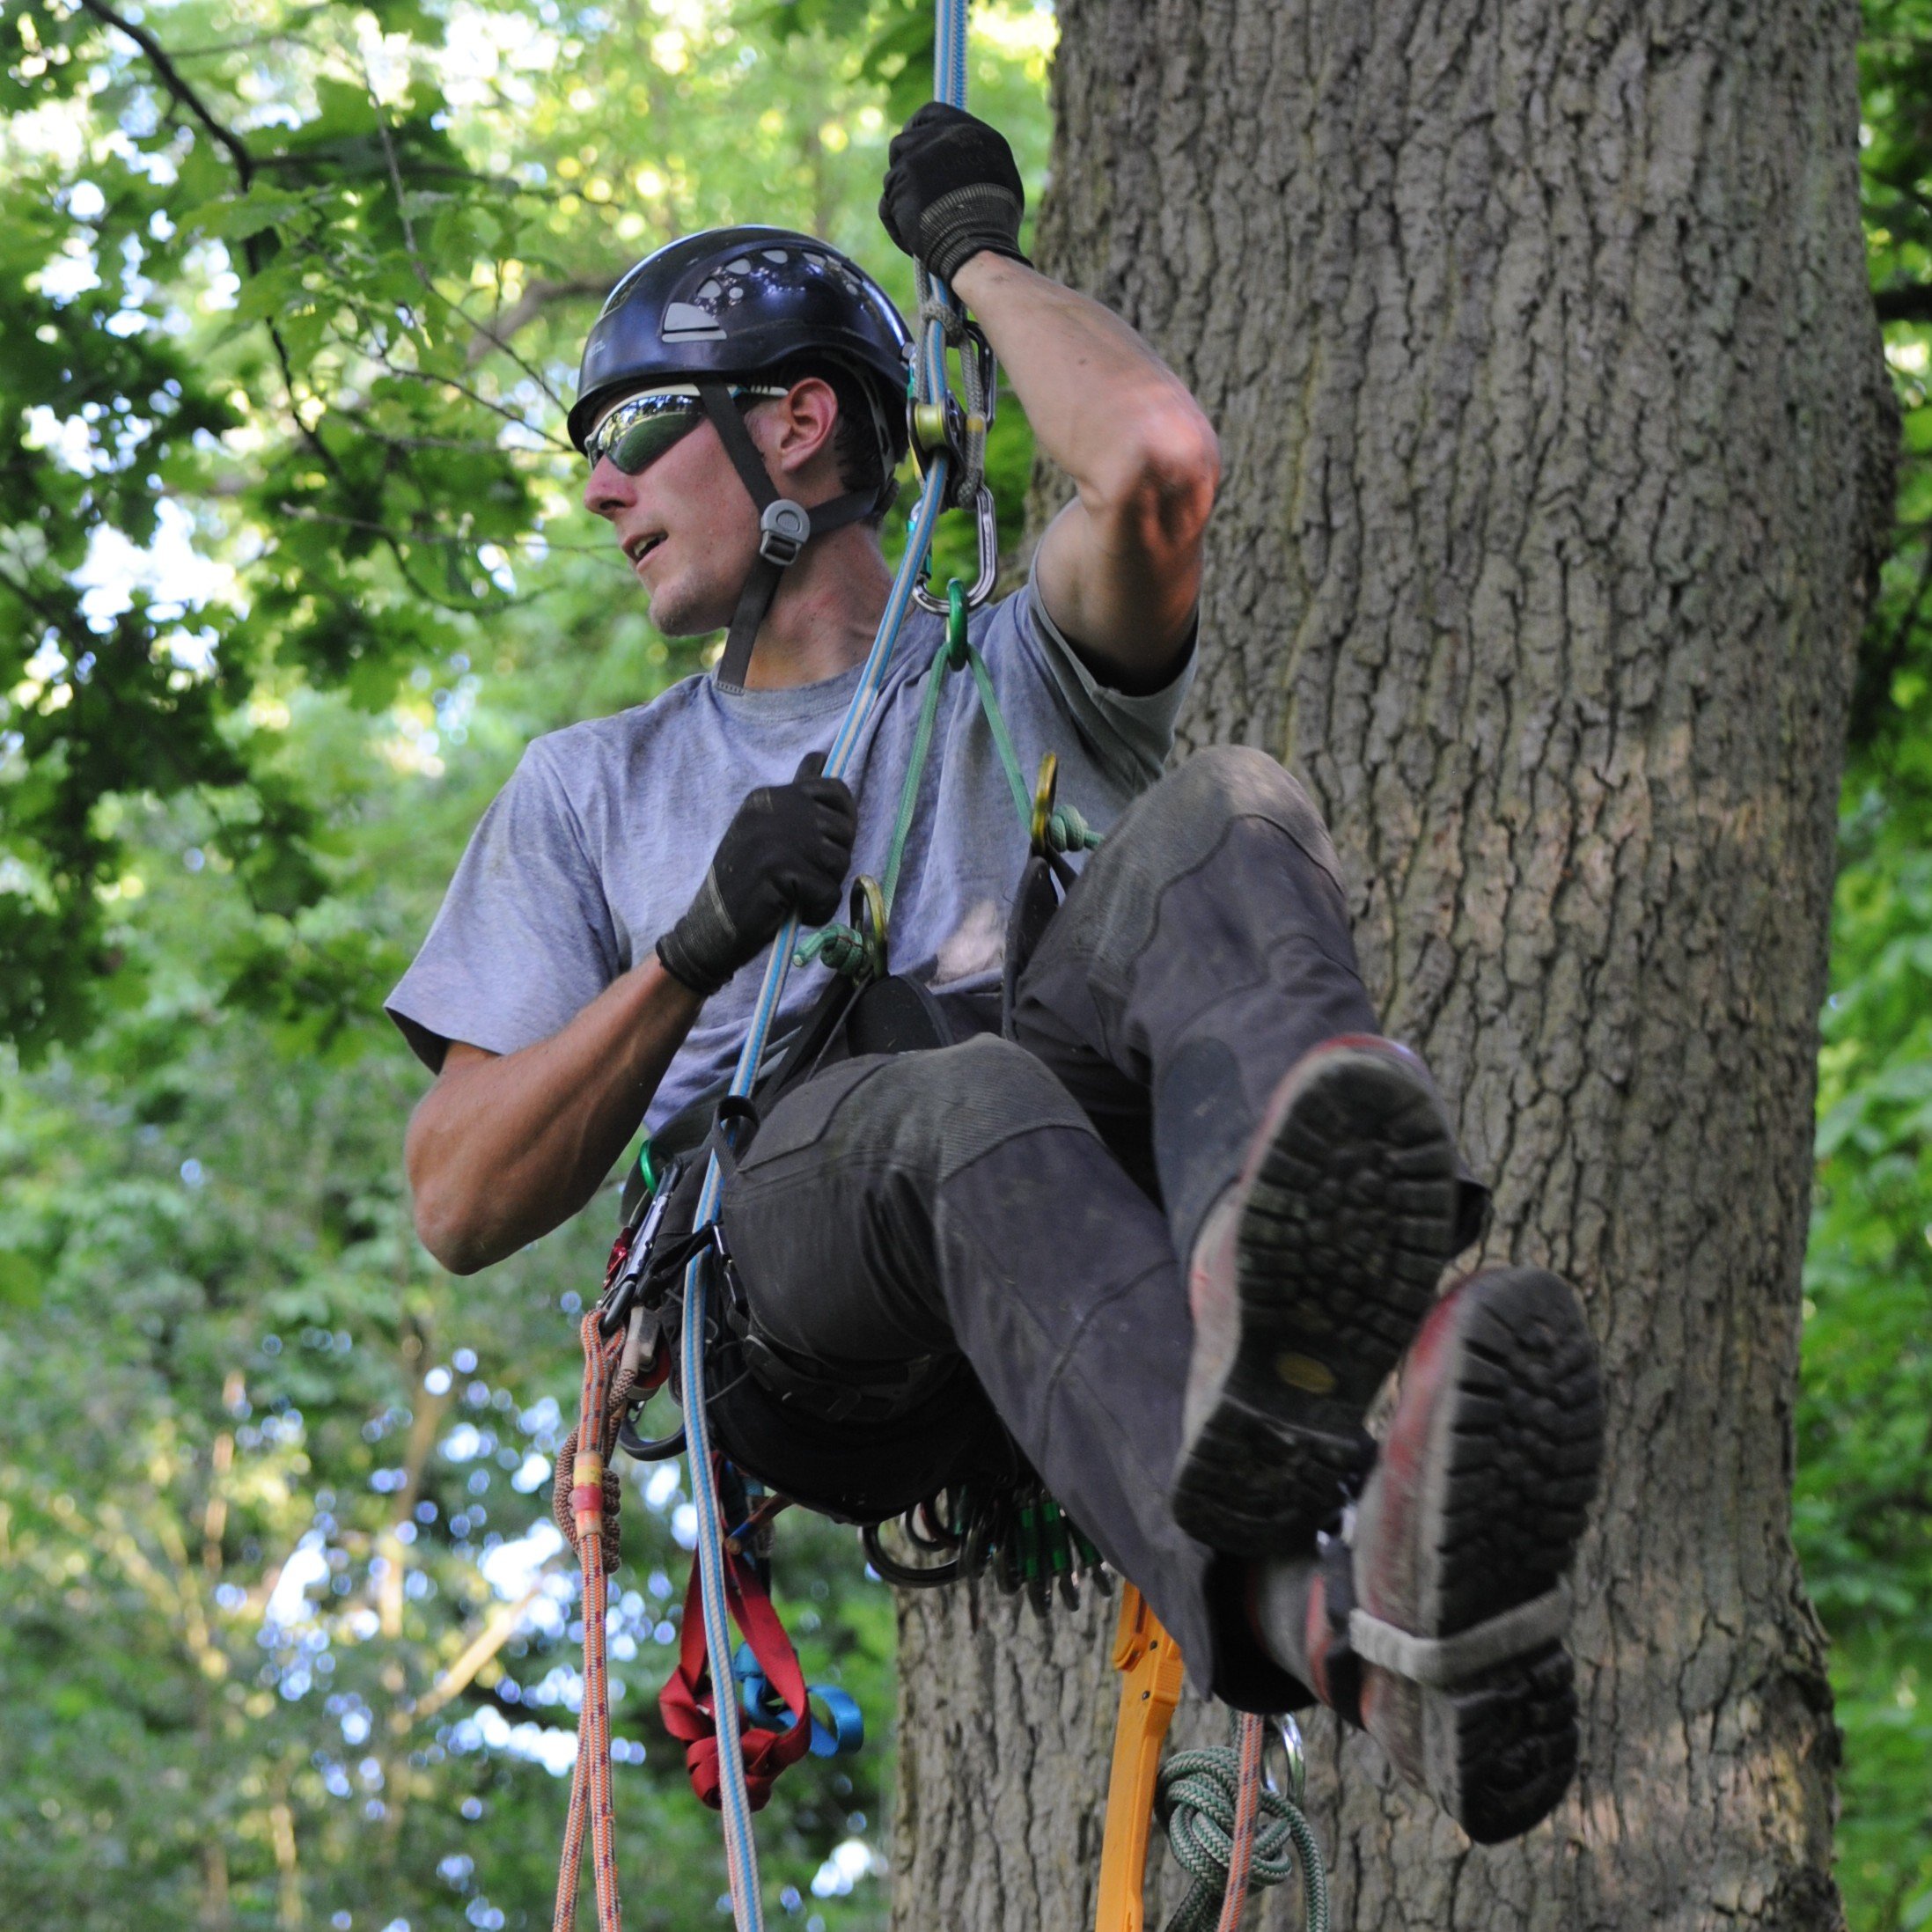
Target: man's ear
(803, 421)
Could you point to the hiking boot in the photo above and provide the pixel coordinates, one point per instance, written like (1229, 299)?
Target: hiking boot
(1311, 1275)
(1437, 1621)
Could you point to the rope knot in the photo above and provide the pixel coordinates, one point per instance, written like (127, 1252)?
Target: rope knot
(1068, 832)
(839, 949)
(950, 321)
(1196, 1800)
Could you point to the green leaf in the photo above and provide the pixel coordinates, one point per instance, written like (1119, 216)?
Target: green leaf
(21, 1278)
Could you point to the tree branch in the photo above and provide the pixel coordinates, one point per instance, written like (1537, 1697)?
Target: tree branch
(171, 78)
(1912, 303)
(535, 298)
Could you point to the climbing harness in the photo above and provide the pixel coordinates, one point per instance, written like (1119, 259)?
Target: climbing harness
(745, 1714)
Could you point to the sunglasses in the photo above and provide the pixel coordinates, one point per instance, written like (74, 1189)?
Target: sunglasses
(640, 429)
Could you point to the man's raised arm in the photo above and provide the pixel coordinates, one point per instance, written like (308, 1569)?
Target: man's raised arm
(1119, 570)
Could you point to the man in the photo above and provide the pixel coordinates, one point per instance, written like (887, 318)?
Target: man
(1179, 1220)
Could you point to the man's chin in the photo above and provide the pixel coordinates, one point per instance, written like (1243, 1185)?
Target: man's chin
(675, 613)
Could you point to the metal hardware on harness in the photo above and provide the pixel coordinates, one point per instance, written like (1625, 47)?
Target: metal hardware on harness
(613, 1308)
(1043, 805)
(871, 920)
(989, 526)
(937, 423)
(1287, 1733)
(783, 527)
(708, 1242)
(935, 427)
(1010, 1528)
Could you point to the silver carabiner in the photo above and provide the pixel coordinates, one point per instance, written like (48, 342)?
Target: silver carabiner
(1290, 1735)
(989, 562)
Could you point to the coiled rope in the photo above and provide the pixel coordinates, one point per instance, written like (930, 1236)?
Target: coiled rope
(1233, 1835)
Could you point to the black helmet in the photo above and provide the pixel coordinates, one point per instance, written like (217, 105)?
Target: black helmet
(729, 304)
(733, 301)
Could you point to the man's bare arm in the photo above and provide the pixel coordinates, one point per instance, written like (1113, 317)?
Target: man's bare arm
(1119, 568)
(505, 1147)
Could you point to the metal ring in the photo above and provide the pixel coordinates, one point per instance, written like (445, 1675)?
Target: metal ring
(926, 1577)
(1044, 793)
(643, 1449)
(1288, 1733)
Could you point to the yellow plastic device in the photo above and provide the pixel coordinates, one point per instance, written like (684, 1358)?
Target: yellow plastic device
(1150, 1663)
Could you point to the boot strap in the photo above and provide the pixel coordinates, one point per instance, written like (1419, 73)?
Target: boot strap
(1341, 1668)
(1436, 1663)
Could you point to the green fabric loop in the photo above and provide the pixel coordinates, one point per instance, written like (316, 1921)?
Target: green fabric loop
(957, 645)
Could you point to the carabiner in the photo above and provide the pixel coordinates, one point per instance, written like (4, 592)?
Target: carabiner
(1287, 1733)
(989, 524)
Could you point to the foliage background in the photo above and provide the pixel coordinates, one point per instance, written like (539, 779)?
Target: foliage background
(290, 569)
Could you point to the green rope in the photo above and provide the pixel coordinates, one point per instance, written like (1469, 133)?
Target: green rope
(1196, 1801)
(953, 654)
(840, 947)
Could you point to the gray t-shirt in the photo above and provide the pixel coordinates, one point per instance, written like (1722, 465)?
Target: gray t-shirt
(603, 836)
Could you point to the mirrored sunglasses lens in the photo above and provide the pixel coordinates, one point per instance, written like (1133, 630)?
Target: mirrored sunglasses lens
(643, 441)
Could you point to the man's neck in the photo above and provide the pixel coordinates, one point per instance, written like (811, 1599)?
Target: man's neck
(826, 614)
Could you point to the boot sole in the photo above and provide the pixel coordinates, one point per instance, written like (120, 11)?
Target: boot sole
(1516, 1447)
(1348, 1219)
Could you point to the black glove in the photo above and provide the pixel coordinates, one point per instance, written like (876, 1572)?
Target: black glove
(785, 851)
(952, 190)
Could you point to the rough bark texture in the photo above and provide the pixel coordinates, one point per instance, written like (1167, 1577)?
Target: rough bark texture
(1556, 443)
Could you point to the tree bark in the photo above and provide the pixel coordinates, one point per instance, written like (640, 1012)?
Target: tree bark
(1557, 447)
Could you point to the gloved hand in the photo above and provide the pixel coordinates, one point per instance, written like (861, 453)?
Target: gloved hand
(785, 851)
(952, 190)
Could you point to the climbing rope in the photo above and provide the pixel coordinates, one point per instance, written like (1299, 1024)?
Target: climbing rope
(740, 1852)
(586, 1505)
(1233, 1835)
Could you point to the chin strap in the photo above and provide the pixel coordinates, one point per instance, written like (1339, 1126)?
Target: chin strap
(784, 528)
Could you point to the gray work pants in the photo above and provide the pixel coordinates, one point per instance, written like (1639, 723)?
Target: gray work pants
(1031, 1202)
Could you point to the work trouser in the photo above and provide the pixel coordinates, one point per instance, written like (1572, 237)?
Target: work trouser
(1032, 1202)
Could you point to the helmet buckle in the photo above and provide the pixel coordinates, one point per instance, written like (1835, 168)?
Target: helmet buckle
(782, 528)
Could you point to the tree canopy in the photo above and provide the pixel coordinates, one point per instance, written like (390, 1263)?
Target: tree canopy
(292, 566)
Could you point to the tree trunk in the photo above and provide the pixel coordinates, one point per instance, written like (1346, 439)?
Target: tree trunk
(1557, 446)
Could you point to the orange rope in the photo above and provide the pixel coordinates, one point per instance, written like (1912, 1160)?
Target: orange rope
(586, 1504)
(1247, 1812)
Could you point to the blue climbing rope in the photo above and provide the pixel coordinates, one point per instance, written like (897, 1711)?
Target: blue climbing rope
(740, 1850)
